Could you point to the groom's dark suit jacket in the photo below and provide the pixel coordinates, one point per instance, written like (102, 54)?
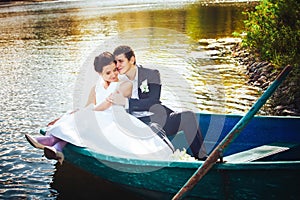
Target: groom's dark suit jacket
(147, 99)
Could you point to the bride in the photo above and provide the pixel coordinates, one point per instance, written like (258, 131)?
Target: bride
(102, 125)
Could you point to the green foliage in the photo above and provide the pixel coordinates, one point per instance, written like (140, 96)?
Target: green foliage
(273, 31)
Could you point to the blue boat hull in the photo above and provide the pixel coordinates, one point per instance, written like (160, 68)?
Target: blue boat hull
(274, 176)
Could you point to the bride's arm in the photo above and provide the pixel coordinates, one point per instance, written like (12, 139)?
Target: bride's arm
(104, 105)
(92, 100)
(119, 97)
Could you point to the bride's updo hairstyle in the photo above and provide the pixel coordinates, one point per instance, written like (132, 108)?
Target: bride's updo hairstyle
(104, 59)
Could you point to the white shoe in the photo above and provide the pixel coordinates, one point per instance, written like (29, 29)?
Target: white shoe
(34, 142)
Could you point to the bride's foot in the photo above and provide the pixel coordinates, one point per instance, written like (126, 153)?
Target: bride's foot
(52, 153)
(34, 142)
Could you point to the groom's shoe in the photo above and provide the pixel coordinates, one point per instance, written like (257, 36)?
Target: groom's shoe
(34, 142)
(52, 153)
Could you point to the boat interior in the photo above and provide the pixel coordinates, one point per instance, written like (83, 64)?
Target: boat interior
(270, 152)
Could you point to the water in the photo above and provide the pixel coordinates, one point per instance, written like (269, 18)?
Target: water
(47, 50)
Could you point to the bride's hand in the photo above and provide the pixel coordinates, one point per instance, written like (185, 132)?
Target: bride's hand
(118, 99)
(109, 98)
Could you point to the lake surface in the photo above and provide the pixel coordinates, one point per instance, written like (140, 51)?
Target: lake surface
(47, 51)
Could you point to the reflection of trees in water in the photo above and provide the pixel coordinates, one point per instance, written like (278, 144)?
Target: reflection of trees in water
(196, 20)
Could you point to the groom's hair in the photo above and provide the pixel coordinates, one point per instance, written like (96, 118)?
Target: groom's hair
(126, 50)
(104, 59)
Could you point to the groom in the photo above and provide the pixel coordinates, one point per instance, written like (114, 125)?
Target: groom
(145, 99)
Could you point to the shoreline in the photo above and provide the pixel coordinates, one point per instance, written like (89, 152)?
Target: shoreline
(285, 100)
(261, 74)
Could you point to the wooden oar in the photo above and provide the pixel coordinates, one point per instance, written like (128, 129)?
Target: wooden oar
(215, 155)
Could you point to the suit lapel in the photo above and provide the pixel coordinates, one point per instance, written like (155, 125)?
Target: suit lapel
(141, 75)
(141, 78)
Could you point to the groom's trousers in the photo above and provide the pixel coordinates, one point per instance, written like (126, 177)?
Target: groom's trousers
(186, 121)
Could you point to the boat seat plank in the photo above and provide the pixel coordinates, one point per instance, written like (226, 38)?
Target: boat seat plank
(258, 152)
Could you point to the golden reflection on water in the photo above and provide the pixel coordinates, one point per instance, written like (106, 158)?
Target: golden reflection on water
(51, 48)
(216, 92)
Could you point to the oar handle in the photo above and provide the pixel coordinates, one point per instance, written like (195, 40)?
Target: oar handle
(215, 155)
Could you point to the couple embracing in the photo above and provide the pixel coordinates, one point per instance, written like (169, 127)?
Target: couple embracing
(124, 82)
(146, 97)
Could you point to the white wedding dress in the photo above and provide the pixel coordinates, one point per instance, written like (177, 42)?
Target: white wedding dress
(111, 132)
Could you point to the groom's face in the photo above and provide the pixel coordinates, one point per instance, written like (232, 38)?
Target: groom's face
(123, 64)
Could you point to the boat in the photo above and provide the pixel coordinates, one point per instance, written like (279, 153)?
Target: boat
(263, 162)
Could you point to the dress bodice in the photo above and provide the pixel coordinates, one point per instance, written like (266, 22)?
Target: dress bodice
(101, 92)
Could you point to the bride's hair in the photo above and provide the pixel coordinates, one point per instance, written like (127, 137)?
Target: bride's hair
(104, 59)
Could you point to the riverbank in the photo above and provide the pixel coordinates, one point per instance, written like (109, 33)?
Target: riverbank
(285, 100)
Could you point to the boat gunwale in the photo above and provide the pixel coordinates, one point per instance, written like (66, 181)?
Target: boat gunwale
(184, 164)
(241, 115)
